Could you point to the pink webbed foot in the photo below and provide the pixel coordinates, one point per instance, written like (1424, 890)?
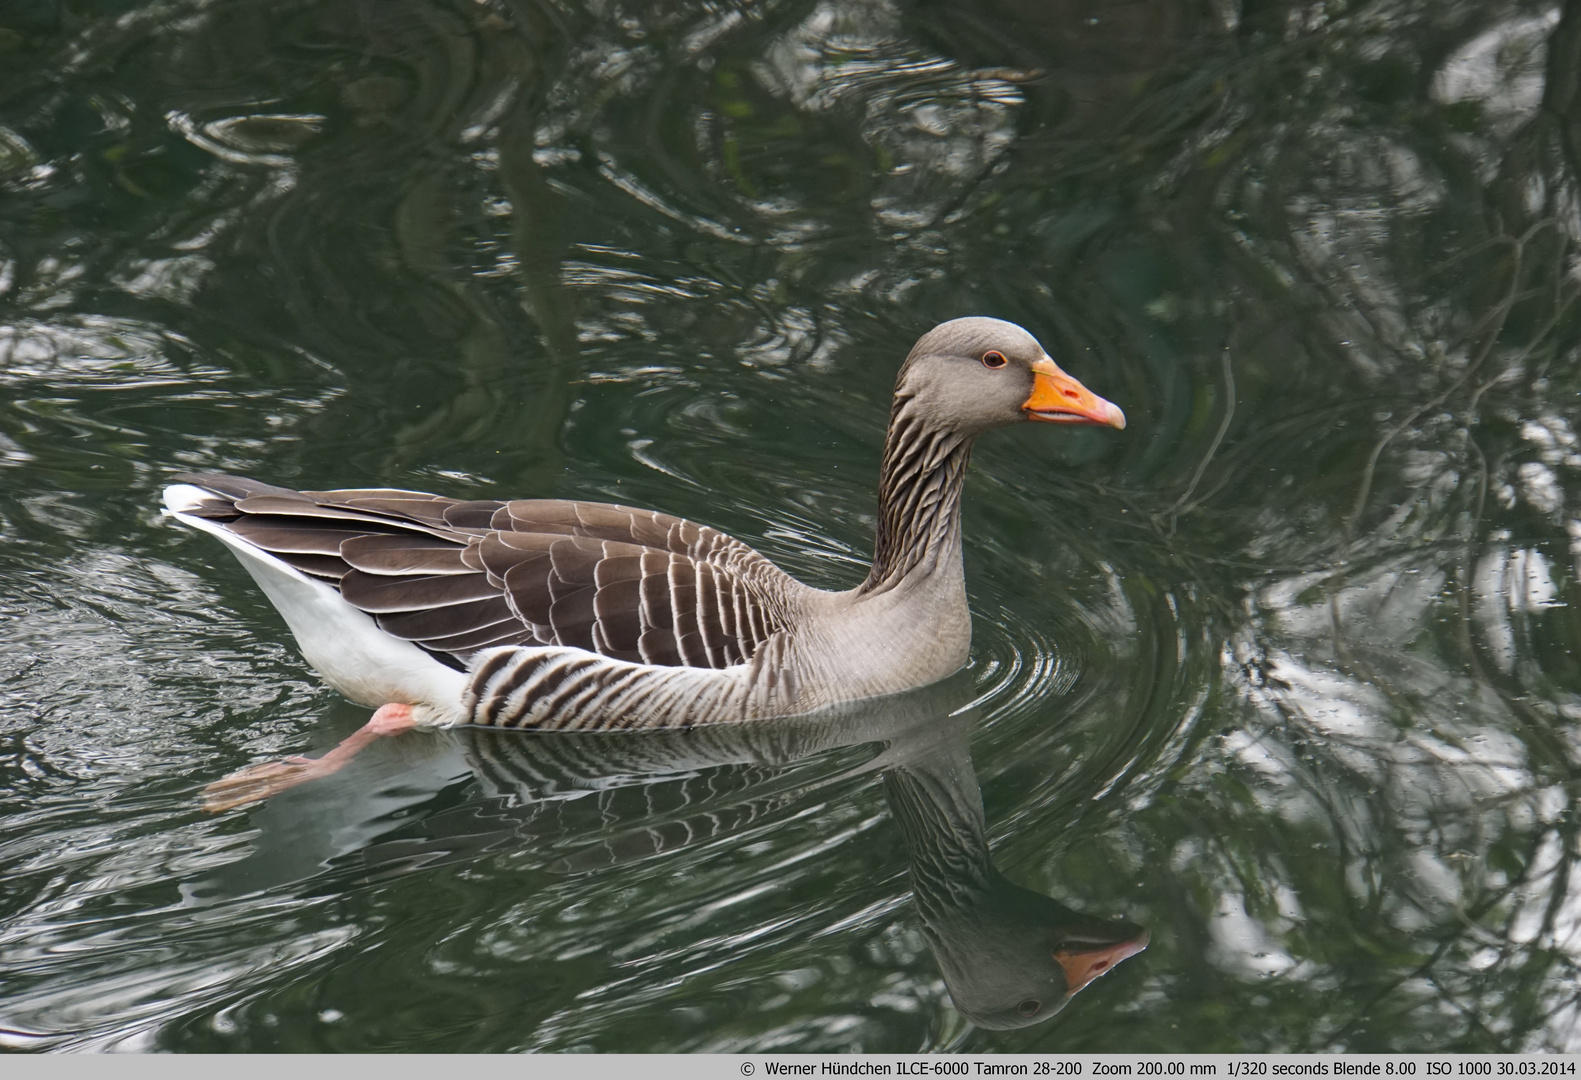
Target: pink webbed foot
(258, 782)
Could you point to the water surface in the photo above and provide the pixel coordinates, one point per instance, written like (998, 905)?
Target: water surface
(1285, 673)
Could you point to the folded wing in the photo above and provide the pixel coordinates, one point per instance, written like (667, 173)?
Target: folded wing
(456, 577)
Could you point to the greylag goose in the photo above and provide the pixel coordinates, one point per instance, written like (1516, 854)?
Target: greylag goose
(561, 614)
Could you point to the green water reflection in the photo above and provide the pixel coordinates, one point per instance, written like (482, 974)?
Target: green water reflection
(1285, 673)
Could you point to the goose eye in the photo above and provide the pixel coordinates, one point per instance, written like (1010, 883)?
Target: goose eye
(1030, 1005)
(994, 359)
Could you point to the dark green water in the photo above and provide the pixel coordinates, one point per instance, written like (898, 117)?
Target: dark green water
(1286, 672)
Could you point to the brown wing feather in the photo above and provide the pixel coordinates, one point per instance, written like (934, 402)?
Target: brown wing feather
(452, 620)
(405, 553)
(459, 576)
(388, 593)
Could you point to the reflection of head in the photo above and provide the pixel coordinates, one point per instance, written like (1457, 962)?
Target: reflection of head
(1010, 957)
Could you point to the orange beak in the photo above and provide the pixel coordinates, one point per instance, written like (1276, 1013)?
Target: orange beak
(1083, 967)
(1059, 399)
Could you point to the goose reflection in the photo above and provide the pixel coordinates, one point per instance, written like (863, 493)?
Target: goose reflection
(1009, 956)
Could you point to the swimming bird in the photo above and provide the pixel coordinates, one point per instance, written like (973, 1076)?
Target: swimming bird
(568, 615)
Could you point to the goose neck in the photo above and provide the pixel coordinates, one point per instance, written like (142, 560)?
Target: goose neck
(919, 499)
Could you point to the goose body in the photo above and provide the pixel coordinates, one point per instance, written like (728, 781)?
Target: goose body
(560, 614)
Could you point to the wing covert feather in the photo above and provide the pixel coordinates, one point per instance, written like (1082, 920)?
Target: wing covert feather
(459, 576)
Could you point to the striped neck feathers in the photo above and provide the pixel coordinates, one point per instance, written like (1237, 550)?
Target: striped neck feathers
(919, 497)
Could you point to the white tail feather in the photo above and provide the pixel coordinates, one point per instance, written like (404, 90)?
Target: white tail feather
(342, 644)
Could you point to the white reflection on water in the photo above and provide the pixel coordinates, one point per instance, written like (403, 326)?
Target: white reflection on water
(1335, 668)
(1503, 68)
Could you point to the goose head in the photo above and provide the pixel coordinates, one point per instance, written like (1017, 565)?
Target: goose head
(969, 375)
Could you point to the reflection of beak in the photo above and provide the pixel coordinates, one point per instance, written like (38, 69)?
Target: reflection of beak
(1057, 398)
(1082, 966)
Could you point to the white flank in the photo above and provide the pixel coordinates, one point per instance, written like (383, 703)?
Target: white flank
(342, 644)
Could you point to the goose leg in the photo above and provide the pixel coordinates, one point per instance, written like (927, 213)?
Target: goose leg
(258, 782)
